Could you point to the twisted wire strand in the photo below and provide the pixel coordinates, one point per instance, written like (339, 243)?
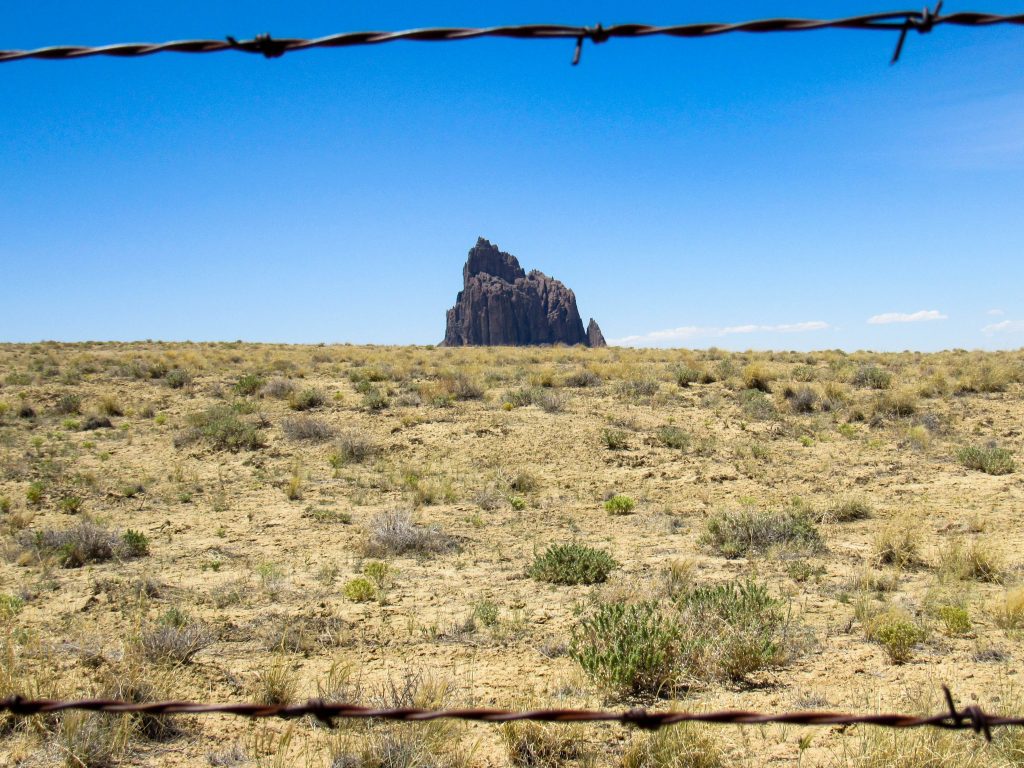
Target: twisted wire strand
(969, 718)
(899, 21)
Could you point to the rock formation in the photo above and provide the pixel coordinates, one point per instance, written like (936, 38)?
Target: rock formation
(500, 304)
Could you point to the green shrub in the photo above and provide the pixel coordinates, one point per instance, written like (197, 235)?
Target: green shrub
(629, 649)
(10, 606)
(34, 494)
(374, 399)
(131, 490)
(749, 530)
(223, 429)
(307, 399)
(732, 630)
(685, 376)
(249, 384)
(614, 439)
(134, 544)
(674, 437)
(990, 459)
(69, 404)
(572, 564)
(486, 612)
(360, 590)
(955, 619)
(518, 398)
(71, 505)
(178, 378)
(871, 377)
(723, 632)
(757, 405)
(619, 504)
(895, 632)
(380, 573)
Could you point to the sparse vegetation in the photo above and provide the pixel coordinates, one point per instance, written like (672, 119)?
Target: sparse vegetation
(353, 446)
(307, 399)
(395, 533)
(572, 564)
(871, 376)
(83, 544)
(359, 590)
(157, 553)
(722, 632)
(898, 544)
(894, 630)
(614, 439)
(737, 533)
(682, 746)
(674, 437)
(990, 459)
(307, 428)
(224, 429)
(619, 504)
(976, 561)
(174, 639)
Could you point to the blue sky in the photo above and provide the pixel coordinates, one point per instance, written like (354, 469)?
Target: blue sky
(772, 191)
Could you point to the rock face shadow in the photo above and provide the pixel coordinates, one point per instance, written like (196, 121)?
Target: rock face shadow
(501, 304)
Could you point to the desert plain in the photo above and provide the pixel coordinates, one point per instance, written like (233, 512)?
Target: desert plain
(508, 527)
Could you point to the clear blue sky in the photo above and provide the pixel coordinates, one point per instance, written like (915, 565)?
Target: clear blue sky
(773, 191)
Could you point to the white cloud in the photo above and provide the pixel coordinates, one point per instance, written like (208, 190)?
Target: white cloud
(995, 312)
(1005, 326)
(710, 332)
(904, 317)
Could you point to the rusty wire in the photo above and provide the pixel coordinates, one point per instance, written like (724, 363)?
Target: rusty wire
(894, 21)
(969, 718)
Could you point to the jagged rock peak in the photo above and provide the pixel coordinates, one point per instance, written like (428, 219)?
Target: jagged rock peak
(594, 336)
(485, 258)
(500, 304)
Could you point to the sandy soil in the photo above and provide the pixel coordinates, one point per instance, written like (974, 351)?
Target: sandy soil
(264, 575)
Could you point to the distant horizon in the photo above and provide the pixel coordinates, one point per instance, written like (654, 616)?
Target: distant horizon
(730, 350)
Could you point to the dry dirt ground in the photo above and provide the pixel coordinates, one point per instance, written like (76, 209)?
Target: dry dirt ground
(224, 536)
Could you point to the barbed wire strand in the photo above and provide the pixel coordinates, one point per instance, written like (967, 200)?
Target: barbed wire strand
(923, 21)
(972, 717)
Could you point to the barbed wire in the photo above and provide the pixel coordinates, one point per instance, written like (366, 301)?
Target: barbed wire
(972, 717)
(893, 21)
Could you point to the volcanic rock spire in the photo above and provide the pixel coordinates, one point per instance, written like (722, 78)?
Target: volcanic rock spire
(500, 304)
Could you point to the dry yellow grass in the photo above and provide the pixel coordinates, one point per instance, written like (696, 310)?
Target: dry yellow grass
(260, 476)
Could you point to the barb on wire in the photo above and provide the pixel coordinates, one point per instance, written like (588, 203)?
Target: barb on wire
(924, 24)
(893, 21)
(969, 718)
